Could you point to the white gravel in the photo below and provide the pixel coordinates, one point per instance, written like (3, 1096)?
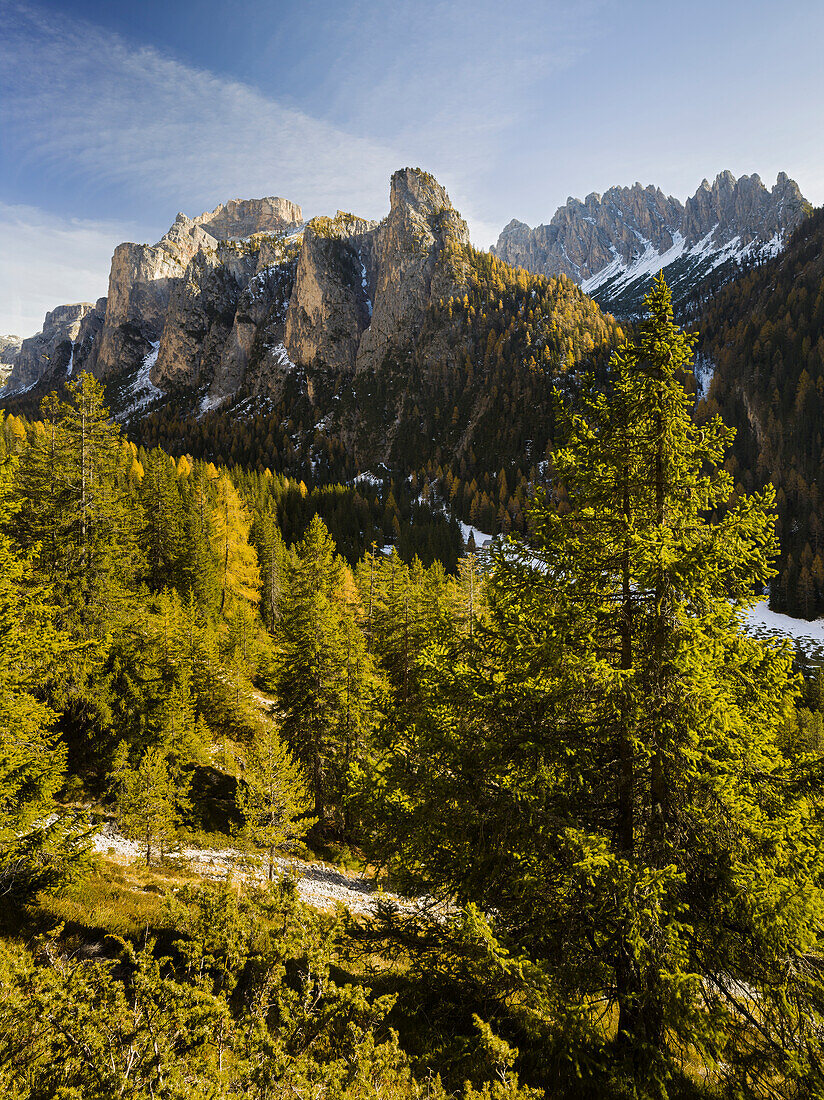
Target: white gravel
(319, 885)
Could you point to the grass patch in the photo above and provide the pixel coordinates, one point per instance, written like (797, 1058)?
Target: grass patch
(114, 900)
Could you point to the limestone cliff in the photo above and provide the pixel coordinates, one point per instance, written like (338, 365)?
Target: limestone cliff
(331, 305)
(9, 347)
(54, 349)
(417, 258)
(243, 298)
(143, 278)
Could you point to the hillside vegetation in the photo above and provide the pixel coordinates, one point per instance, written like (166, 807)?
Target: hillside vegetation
(604, 793)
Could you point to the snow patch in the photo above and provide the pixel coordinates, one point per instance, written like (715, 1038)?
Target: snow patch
(281, 356)
(482, 539)
(211, 401)
(365, 285)
(142, 390)
(762, 621)
(704, 374)
(368, 478)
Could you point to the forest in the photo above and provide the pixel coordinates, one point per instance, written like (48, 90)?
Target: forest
(764, 334)
(600, 796)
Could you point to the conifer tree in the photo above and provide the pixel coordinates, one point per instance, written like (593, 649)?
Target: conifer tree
(239, 572)
(77, 508)
(35, 849)
(150, 798)
(327, 682)
(603, 772)
(272, 795)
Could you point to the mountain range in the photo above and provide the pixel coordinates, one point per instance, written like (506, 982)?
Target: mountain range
(386, 338)
(614, 244)
(342, 349)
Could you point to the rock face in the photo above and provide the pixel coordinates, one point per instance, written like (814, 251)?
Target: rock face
(144, 278)
(67, 335)
(417, 257)
(245, 297)
(9, 347)
(331, 305)
(329, 299)
(614, 244)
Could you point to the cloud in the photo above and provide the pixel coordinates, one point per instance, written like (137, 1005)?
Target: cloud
(51, 261)
(85, 107)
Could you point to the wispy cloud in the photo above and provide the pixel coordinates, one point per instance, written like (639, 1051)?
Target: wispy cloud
(109, 126)
(83, 104)
(48, 261)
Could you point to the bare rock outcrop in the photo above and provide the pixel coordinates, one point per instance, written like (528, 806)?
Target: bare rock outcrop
(245, 296)
(584, 237)
(245, 217)
(143, 278)
(200, 315)
(417, 257)
(331, 305)
(742, 208)
(9, 347)
(52, 350)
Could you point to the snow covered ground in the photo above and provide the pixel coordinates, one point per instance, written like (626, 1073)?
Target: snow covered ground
(765, 623)
(481, 537)
(141, 391)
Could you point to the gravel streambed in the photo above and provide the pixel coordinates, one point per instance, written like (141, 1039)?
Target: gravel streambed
(319, 885)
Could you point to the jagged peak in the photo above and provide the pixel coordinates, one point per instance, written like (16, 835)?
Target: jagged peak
(418, 189)
(725, 178)
(514, 224)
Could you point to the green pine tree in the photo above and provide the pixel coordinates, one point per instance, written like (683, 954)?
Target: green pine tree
(603, 770)
(272, 795)
(327, 684)
(150, 799)
(38, 847)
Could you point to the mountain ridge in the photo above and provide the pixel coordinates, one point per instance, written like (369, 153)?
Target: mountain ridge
(613, 244)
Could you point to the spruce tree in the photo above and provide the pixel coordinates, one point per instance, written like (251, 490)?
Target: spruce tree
(602, 771)
(271, 795)
(327, 682)
(150, 799)
(37, 849)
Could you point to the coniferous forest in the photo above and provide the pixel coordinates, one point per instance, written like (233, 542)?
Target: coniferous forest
(591, 800)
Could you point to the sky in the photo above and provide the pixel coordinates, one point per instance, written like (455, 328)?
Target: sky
(116, 115)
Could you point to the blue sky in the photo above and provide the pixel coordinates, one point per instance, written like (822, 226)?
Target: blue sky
(114, 116)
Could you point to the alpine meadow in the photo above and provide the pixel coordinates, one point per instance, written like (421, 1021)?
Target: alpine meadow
(411, 670)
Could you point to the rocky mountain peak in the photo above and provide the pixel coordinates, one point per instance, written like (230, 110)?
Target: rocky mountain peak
(245, 217)
(143, 278)
(613, 243)
(417, 189)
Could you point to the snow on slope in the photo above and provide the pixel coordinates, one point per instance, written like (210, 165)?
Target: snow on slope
(621, 284)
(650, 262)
(765, 623)
(141, 391)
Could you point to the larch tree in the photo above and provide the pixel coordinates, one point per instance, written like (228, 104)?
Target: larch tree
(239, 570)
